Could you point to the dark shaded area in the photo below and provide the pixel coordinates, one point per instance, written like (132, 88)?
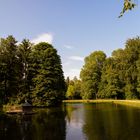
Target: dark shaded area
(46, 124)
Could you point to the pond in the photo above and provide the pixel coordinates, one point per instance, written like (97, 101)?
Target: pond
(74, 121)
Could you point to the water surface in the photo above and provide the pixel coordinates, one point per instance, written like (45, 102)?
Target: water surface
(74, 122)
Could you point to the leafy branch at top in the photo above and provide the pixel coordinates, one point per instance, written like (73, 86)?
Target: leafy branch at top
(128, 5)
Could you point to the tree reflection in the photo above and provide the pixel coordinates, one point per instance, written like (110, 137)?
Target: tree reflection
(111, 122)
(46, 124)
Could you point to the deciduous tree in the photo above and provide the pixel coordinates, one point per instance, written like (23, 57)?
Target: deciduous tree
(91, 74)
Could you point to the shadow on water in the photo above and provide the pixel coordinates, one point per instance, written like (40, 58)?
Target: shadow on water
(46, 124)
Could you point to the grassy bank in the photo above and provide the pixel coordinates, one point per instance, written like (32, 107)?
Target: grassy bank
(87, 101)
(135, 103)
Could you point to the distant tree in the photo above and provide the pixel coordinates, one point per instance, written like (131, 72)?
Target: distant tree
(74, 89)
(91, 74)
(77, 86)
(67, 81)
(70, 92)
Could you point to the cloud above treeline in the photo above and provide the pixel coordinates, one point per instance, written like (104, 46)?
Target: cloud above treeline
(77, 58)
(68, 46)
(71, 73)
(45, 37)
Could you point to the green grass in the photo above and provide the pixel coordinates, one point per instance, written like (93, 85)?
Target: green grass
(87, 101)
(135, 103)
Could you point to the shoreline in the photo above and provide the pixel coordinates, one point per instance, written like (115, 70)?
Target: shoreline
(133, 103)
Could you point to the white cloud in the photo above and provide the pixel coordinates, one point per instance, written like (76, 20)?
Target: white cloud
(68, 47)
(67, 64)
(46, 37)
(77, 58)
(72, 73)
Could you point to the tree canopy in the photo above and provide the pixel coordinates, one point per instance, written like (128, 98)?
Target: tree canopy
(116, 77)
(48, 80)
(91, 74)
(73, 88)
(30, 72)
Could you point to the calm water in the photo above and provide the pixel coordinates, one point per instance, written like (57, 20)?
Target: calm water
(74, 122)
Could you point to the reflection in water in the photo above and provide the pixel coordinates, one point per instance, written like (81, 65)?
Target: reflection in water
(46, 124)
(74, 122)
(102, 122)
(111, 122)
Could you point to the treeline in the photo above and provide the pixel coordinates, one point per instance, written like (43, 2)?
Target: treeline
(34, 73)
(30, 72)
(73, 88)
(115, 77)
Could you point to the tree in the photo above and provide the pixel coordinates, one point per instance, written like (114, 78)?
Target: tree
(120, 75)
(132, 49)
(138, 77)
(110, 85)
(23, 53)
(48, 80)
(70, 92)
(8, 69)
(74, 89)
(67, 81)
(77, 87)
(91, 74)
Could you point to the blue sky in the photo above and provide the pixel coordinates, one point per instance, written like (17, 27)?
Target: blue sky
(74, 27)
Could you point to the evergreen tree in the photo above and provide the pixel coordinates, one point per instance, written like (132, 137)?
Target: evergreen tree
(8, 69)
(48, 80)
(23, 53)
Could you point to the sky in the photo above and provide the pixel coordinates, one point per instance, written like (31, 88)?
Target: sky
(75, 28)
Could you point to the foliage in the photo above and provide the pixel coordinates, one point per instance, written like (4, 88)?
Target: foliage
(110, 85)
(34, 73)
(30, 72)
(128, 5)
(119, 76)
(91, 74)
(8, 69)
(23, 53)
(74, 89)
(70, 92)
(48, 80)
